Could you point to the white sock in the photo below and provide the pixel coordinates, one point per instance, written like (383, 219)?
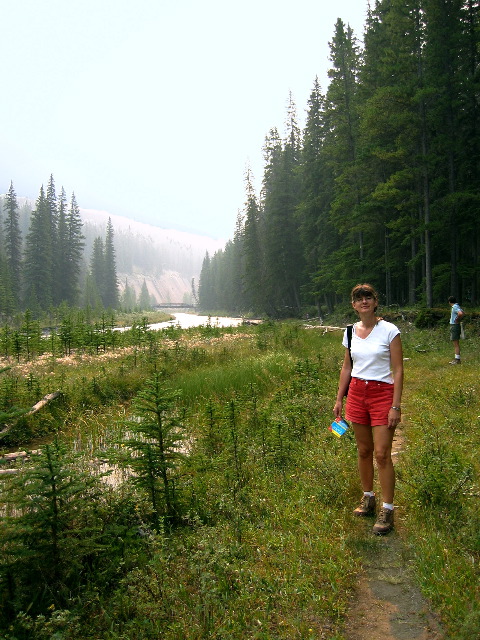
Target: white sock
(388, 505)
(457, 357)
(369, 493)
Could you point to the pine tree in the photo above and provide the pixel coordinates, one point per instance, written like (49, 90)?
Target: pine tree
(13, 246)
(61, 262)
(391, 175)
(74, 252)
(283, 252)
(110, 288)
(341, 148)
(38, 281)
(155, 448)
(92, 299)
(97, 267)
(253, 274)
(8, 304)
(51, 224)
(319, 237)
(206, 288)
(451, 55)
(45, 544)
(144, 302)
(128, 300)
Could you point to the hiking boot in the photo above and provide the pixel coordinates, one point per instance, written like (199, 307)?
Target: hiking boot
(366, 507)
(384, 523)
(456, 361)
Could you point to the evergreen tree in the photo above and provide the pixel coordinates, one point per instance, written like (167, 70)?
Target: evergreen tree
(155, 448)
(144, 302)
(97, 267)
(110, 289)
(51, 224)
(340, 148)
(228, 269)
(390, 175)
(450, 59)
(38, 273)
(253, 274)
(386, 187)
(128, 300)
(92, 298)
(55, 529)
(206, 287)
(319, 237)
(7, 299)
(62, 280)
(74, 252)
(283, 252)
(13, 248)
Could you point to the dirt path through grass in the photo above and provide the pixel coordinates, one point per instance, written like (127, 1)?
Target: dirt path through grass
(388, 604)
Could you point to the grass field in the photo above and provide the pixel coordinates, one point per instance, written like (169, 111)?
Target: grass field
(249, 534)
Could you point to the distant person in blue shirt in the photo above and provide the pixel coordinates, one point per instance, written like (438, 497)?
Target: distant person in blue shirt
(455, 329)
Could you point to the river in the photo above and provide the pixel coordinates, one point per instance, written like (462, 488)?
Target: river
(188, 320)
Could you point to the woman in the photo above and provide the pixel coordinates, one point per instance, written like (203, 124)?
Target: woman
(373, 401)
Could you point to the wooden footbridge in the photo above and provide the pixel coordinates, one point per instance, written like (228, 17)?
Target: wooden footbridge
(175, 305)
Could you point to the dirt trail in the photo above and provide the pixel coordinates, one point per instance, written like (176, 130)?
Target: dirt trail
(388, 604)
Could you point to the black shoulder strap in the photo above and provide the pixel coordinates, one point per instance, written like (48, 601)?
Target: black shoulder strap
(349, 340)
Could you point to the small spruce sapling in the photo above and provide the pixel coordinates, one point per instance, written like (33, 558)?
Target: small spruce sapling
(155, 447)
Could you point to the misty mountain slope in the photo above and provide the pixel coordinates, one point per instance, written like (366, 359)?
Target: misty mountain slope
(166, 259)
(168, 286)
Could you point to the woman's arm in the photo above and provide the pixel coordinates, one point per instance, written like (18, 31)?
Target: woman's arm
(396, 359)
(345, 374)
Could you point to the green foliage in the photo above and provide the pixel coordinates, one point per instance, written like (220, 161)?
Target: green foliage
(155, 448)
(44, 269)
(439, 478)
(51, 535)
(251, 535)
(429, 318)
(383, 186)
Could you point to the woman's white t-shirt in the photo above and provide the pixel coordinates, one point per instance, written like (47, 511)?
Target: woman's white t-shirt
(371, 355)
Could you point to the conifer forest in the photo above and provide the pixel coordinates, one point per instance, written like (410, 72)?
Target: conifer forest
(185, 484)
(382, 184)
(42, 257)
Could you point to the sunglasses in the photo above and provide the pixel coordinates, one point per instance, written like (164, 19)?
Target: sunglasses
(361, 296)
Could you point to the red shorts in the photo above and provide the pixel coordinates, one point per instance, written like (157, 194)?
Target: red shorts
(368, 402)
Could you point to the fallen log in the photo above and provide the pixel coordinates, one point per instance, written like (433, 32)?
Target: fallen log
(41, 403)
(325, 327)
(36, 407)
(14, 455)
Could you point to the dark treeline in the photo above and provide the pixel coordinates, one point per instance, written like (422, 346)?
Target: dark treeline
(45, 267)
(381, 185)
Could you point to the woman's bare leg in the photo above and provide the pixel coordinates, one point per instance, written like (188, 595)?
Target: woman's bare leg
(365, 447)
(383, 439)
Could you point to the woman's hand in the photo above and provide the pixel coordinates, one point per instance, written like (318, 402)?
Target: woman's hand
(394, 417)
(337, 409)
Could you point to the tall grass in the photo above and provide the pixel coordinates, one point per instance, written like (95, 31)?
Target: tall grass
(265, 545)
(439, 478)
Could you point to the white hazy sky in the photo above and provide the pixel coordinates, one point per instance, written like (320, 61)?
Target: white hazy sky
(153, 109)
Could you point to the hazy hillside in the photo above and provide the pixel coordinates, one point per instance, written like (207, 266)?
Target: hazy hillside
(166, 259)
